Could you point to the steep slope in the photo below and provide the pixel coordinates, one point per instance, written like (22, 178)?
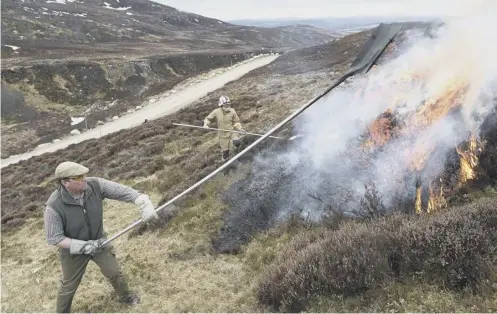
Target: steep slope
(55, 29)
(38, 97)
(63, 58)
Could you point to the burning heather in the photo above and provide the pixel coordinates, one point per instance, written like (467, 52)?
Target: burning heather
(404, 137)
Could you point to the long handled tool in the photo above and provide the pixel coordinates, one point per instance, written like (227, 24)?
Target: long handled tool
(372, 50)
(232, 131)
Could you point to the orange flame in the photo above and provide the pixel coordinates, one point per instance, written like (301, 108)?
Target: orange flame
(468, 160)
(417, 202)
(435, 109)
(448, 100)
(436, 199)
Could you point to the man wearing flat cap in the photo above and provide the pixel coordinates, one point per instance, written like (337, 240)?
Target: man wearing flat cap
(74, 223)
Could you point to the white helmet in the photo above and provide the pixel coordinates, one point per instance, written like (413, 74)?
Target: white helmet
(223, 100)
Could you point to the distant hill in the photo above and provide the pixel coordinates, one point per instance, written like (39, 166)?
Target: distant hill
(339, 25)
(38, 26)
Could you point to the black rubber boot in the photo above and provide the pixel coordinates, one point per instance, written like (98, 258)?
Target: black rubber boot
(226, 155)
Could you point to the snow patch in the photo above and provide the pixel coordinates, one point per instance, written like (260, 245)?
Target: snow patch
(77, 120)
(82, 14)
(60, 1)
(12, 47)
(107, 6)
(129, 13)
(196, 20)
(59, 13)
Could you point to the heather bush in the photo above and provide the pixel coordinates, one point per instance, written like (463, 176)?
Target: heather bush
(454, 248)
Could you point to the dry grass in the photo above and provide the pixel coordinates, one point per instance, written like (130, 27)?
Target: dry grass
(172, 269)
(411, 296)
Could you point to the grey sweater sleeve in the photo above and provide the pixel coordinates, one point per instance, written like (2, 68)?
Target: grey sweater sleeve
(54, 228)
(116, 191)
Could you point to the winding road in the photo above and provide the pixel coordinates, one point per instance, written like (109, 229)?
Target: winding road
(161, 108)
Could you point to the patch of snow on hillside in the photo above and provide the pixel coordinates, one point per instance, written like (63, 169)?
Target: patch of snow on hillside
(77, 120)
(60, 1)
(107, 6)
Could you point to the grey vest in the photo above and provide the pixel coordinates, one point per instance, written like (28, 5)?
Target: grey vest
(82, 222)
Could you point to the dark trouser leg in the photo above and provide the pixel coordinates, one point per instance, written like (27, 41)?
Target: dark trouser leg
(237, 144)
(107, 262)
(73, 269)
(226, 154)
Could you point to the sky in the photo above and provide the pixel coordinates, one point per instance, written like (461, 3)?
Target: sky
(275, 9)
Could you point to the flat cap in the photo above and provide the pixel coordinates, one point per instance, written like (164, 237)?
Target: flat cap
(69, 169)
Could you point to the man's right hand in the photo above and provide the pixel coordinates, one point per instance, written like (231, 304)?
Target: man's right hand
(147, 209)
(90, 247)
(205, 125)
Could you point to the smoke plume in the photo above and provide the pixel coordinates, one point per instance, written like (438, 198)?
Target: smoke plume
(393, 129)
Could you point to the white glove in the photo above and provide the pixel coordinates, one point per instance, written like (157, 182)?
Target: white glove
(205, 125)
(243, 131)
(91, 247)
(147, 209)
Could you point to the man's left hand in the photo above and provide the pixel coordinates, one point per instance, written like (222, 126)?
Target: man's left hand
(94, 246)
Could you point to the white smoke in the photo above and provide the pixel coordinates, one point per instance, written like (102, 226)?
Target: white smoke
(462, 53)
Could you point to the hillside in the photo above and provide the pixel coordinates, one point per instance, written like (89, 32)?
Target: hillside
(285, 211)
(112, 29)
(163, 160)
(62, 59)
(36, 98)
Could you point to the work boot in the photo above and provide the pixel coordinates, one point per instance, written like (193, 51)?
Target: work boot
(131, 299)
